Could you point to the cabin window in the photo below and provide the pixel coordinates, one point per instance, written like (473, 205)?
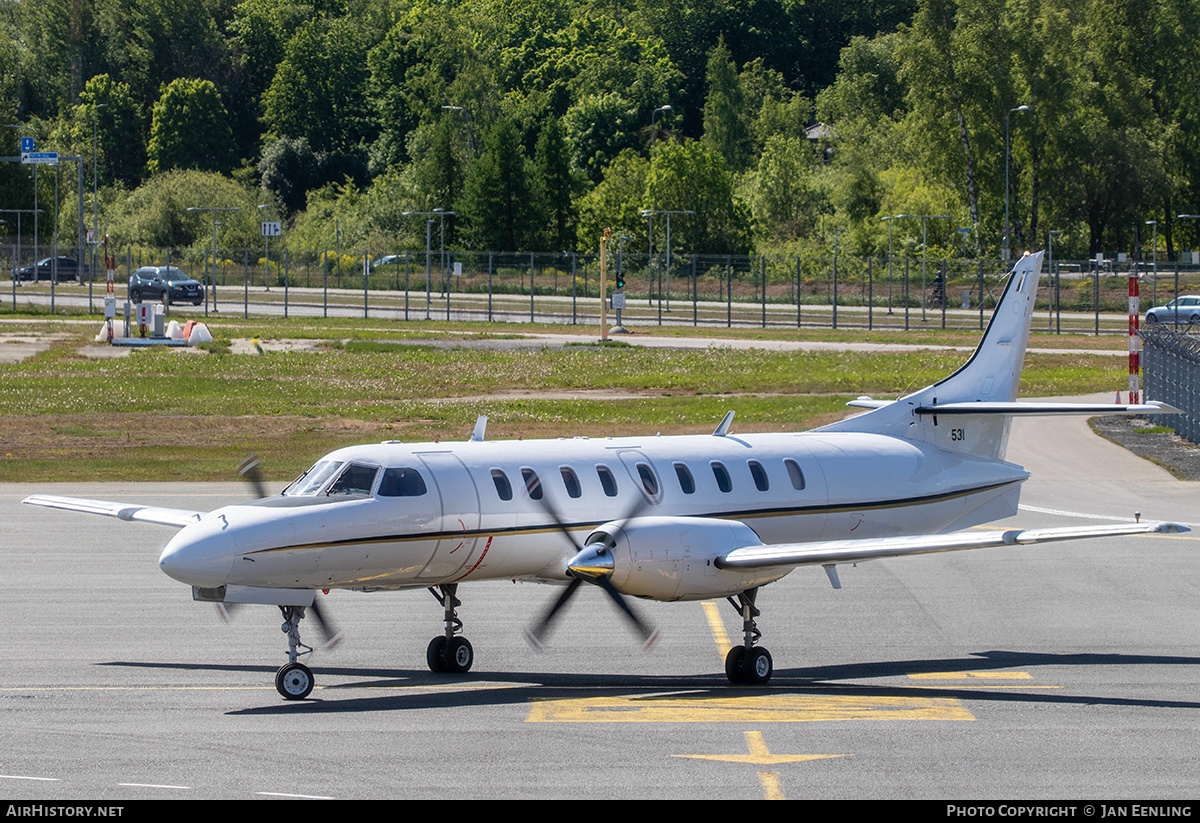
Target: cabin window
(355, 479)
(722, 476)
(649, 481)
(532, 484)
(607, 481)
(795, 474)
(503, 487)
(570, 481)
(401, 483)
(686, 482)
(760, 476)
(314, 479)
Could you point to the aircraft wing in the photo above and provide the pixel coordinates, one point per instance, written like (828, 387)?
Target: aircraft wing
(833, 552)
(122, 511)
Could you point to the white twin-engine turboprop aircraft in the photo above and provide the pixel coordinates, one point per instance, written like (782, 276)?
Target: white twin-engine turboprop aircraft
(666, 518)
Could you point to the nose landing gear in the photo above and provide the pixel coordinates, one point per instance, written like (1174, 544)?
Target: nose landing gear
(748, 664)
(450, 652)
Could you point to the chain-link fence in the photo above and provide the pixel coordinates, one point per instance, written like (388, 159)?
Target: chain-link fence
(817, 290)
(1171, 372)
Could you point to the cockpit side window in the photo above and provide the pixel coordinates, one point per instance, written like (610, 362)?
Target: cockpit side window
(401, 483)
(355, 479)
(313, 480)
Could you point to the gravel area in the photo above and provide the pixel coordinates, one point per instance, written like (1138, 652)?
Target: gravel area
(1145, 438)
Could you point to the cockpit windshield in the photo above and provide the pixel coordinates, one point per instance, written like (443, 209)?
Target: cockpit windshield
(313, 480)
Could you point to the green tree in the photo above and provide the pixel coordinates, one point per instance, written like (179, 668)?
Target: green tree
(319, 90)
(615, 203)
(190, 129)
(555, 186)
(690, 176)
(497, 208)
(726, 125)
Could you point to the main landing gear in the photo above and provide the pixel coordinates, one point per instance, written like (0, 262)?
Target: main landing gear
(449, 652)
(294, 680)
(748, 664)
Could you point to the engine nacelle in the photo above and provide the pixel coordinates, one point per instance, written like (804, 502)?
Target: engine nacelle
(673, 558)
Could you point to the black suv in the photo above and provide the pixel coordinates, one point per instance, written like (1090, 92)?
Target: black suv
(149, 283)
(68, 269)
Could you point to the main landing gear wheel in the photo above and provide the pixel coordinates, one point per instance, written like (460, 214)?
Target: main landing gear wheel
(748, 665)
(449, 652)
(294, 681)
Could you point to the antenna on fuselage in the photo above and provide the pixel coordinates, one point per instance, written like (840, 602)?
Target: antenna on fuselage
(723, 429)
(480, 428)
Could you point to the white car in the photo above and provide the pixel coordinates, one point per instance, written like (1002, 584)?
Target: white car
(1185, 309)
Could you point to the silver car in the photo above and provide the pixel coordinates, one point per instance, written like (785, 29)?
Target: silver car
(1183, 310)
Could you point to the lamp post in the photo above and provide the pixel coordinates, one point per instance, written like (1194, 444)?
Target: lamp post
(836, 233)
(440, 215)
(266, 245)
(1007, 161)
(649, 213)
(1050, 242)
(211, 281)
(466, 114)
(924, 218)
(889, 222)
(36, 210)
(653, 116)
(1154, 282)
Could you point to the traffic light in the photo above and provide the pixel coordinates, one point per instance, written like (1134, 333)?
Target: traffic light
(620, 280)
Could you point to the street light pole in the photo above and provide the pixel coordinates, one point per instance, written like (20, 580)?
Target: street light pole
(653, 115)
(1007, 160)
(889, 222)
(212, 286)
(440, 214)
(925, 218)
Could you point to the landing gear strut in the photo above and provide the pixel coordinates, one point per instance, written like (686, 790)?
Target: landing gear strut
(294, 680)
(449, 652)
(748, 664)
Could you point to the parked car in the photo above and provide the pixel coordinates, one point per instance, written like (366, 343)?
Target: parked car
(1185, 309)
(149, 283)
(68, 269)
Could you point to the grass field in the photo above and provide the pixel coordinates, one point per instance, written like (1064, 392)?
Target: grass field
(189, 414)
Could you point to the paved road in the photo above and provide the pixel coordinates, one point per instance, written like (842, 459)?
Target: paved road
(1055, 672)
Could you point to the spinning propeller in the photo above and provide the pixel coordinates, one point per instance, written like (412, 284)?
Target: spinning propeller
(251, 470)
(593, 564)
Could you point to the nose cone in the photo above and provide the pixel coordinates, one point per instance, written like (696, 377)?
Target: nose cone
(200, 554)
(593, 563)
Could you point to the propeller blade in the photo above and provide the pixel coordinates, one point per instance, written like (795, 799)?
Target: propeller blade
(251, 469)
(648, 634)
(538, 633)
(328, 630)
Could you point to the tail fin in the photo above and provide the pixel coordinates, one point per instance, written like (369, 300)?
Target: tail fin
(991, 376)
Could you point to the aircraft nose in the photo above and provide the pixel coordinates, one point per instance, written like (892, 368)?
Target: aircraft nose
(199, 555)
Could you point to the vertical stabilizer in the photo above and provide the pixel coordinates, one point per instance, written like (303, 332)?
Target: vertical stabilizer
(993, 374)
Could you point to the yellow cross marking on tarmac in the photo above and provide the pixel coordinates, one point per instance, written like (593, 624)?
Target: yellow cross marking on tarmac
(760, 755)
(732, 707)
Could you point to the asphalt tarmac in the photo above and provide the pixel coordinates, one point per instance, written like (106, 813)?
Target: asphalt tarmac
(1053, 672)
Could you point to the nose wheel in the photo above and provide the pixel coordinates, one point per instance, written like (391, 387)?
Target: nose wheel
(294, 681)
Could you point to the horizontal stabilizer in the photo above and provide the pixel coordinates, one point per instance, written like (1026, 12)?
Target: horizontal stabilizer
(1047, 409)
(122, 511)
(854, 551)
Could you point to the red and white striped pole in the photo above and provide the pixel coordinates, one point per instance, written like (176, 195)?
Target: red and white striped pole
(1135, 342)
